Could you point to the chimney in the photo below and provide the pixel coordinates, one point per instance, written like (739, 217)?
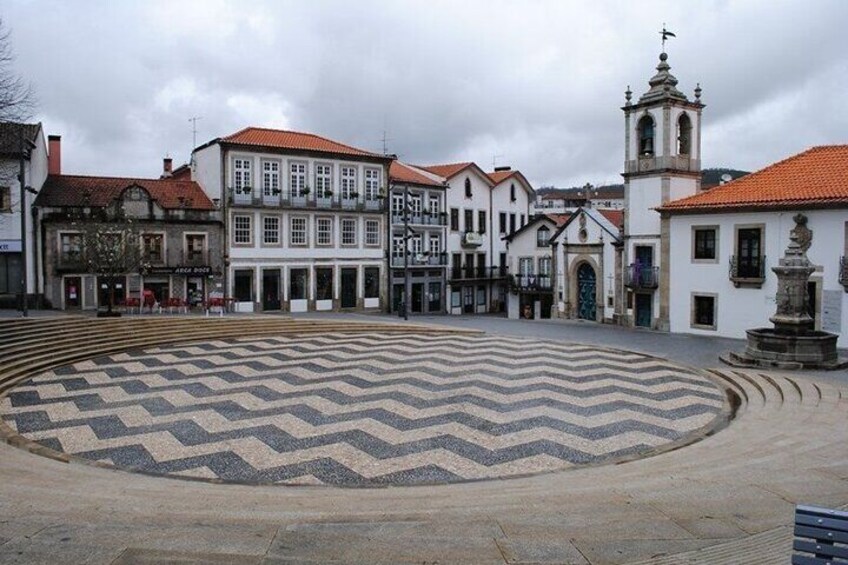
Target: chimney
(500, 169)
(167, 166)
(54, 154)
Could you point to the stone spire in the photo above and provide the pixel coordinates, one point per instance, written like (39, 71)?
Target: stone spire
(663, 84)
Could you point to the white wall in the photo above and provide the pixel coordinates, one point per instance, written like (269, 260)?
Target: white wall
(455, 198)
(739, 309)
(207, 170)
(501, 202)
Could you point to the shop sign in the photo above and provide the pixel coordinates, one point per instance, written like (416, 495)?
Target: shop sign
(10, 245)
(195, 270)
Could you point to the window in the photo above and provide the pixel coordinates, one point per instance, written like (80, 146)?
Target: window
(512, 223)
(435, 244)
(323, 231)
(372, 233)
(523, 220)
(502, 222)
(481, 295)
(348, 231)
(349, 183)
(372, 282)
(703, 311)
(397, 246)
(468, 187)
(645, 130)
(481, 221)
(70, 248)
(297, 179)
(323, 181)
(705, 244)
(525, 266)
(271, 230)
(684, 134)
(749, 253)
(543, 237)
(153, 247)
(469, 220)
(435, 205)
(545, 266)
(323, 283)
(297, 284)
(512, 192)
(241, 175)
(456, 263)
(270, 178)
(372, 183)
(242, 230)
(435, 297)
(298, 231)
(397, 207)
(243, 285)
(5, 199)
(195, 247)
(454, 219)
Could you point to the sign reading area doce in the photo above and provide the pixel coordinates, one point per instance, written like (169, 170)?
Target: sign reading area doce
(10, 245)
(182, 270)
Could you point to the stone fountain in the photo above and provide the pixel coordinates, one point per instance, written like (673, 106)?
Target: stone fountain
(793, 343)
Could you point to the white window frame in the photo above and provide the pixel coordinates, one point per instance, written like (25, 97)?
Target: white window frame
(277, 231)
(435, 244)
(270, 178)
(397, 246)
(204, 249)
(348, 235)
(435, 205)
(299, 237)
(348, 181)
(323, 180)
(164, 238)
(324, 227)
(242, 173)
(372, 233)
(297, 177)
(372, 183)
(236, 229)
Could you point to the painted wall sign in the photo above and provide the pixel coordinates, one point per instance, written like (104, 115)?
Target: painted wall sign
(182, 270)
(10, 245)
(832, 311)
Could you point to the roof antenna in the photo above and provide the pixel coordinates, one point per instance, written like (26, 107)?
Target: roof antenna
(193, 121)
(495, 160)
(385, 141)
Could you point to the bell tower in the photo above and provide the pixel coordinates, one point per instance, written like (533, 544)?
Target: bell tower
(662, 162)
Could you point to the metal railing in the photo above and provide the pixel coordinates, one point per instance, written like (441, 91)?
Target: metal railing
(421, 219)
(287, 199)
(747, 269)
(531, 282)
(424, 260)
(481, 273)
(642, 276)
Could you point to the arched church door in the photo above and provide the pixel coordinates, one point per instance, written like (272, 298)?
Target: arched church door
(586, 292)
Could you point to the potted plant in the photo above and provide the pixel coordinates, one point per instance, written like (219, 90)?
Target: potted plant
(354, 195)
(381, 194)
(328, 193)
(275, 192)
(304, 191)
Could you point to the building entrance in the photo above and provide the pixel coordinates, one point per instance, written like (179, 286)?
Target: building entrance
(644, 310)
(348, 288)
(271, 289)
(73, 293)
(586, 291)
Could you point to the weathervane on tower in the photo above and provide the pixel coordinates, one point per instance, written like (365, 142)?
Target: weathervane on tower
(665, 35)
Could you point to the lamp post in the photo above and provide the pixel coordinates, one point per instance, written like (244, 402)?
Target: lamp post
(26, 146)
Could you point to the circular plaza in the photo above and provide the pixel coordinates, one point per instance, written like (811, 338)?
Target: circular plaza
(364, 408)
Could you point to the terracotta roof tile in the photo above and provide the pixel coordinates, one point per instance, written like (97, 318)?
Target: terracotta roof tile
(616, 217)
(500, 176)
(559, 219)
(283, 139)
(69, 190)
(448, 170)
(401, 172)
(817, 177)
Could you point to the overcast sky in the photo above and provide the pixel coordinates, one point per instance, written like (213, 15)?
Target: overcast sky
(538, 84)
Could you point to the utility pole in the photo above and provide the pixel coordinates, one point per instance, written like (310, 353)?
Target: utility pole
(22, 181)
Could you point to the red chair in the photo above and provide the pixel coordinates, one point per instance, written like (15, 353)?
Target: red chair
(149, 300)
(131, 304)
(215, 302)
(178, 303)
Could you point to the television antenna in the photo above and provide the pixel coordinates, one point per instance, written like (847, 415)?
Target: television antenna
(193, 121)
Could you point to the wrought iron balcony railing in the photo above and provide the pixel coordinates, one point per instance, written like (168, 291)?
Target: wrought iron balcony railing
(747, 271)
(478, 273)
(421, 260)
(539, 283)
(421, 219)
(642, 277)
(285, 199)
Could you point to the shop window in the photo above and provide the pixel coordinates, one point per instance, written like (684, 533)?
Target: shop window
(324, 283)
(243, 285)
(297, 284)
(372, 282)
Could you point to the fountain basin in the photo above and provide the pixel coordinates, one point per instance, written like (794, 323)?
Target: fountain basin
(769, 347)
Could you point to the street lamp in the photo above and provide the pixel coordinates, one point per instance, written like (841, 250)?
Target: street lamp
(26, 148)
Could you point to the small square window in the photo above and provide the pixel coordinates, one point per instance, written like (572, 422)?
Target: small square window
(705, 243)
(703, 312)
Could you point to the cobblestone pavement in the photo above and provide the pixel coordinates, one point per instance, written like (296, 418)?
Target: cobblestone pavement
(371, 409)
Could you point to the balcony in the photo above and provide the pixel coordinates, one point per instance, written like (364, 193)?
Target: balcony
(747, 271)
(254, 198)
(531, 283)
(478, 273)
(421, 219)
(843, 272)
(421, 260)
(472, 239)
(641, 277)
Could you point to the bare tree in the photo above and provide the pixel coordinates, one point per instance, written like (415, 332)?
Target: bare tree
(17, 98)
(110, 247)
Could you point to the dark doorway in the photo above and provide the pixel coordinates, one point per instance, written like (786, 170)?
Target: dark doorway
(271, 289)
(348, 288)
(468, 299)
(73, 293)
(644, 310)
(435, 297)
(586, 290)
(417, 298)
(547, 303)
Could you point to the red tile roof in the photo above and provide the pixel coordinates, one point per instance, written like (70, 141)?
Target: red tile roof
(616, 217)
(500, 176)
(401, 172)
(449, 170)
(70, 190)
(283, 139)
(559, 219)
(815, 178)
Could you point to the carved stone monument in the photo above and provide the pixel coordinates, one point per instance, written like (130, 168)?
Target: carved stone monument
(793, 343)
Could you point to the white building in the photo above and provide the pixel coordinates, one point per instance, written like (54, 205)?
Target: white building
(723, 243)
(588, 265)
(20, 143)
(662, 155)
(304, 219)
(417, 236)
(477, 278)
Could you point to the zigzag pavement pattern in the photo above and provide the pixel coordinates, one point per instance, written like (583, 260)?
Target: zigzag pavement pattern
(364, 409)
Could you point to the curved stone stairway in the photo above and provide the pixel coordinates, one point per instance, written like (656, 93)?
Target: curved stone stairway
(726, 499)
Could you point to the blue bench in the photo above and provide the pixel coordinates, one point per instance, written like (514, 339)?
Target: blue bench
(821, 536)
